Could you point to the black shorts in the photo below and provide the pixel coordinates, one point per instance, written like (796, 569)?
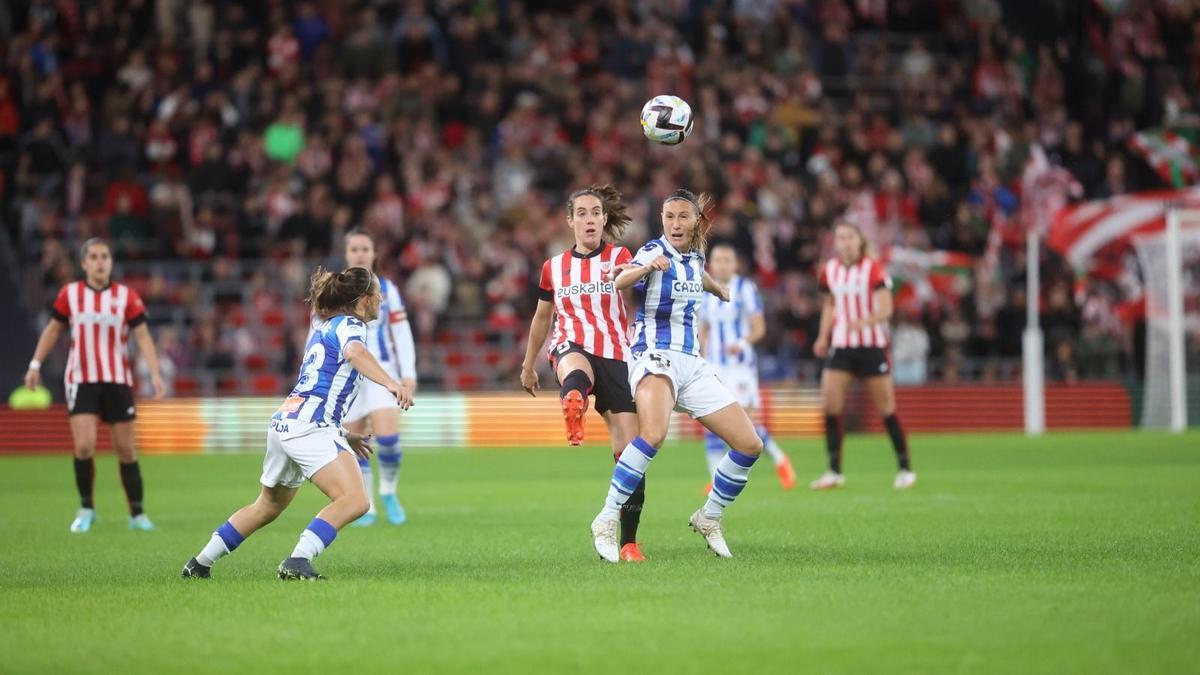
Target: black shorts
(610, 383)
(112, 402)
(860, 361)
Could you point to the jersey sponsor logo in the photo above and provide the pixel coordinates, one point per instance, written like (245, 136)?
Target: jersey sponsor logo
(605, 287)
(291, 404)
(687, 288)
(102, 318)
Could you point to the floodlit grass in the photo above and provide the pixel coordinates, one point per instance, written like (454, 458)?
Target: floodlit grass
(1072, 553)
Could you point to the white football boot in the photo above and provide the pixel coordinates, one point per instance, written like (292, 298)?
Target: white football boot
(710, 528)
(905, 479)
(604, 538)
(828, 481)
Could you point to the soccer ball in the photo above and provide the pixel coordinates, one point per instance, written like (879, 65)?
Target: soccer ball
(667, 119)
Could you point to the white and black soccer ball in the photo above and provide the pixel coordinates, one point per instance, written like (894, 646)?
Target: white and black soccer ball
(667, 119)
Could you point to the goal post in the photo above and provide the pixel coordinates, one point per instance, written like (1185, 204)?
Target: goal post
(1170, 262)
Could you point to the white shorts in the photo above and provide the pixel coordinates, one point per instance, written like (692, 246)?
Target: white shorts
(698, 390)
(370, 397)
(296, 450)
(742, 381)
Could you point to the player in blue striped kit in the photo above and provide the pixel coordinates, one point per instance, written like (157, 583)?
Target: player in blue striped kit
(728, 331)
(305, 439)
(669, 374)
(390, 341)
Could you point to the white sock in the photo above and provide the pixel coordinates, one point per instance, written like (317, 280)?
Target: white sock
(213, 551)
(629, 471)
(772, 448)
(389, 464)
(728, 482)
(368, 482)
(309, 546)
(224, 541)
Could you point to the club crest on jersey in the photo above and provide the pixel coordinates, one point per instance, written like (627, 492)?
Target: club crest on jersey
(606, 267)
(589, 288)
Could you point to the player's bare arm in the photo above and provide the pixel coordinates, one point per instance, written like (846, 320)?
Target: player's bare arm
(821, 346)
(539, 330)
(146, 348)
(46, 342)
(360, 357)
(636, 273)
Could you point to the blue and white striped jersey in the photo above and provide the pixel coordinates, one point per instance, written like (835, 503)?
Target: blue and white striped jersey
(328, 383)
(728, 322)
(389, 337)
(668, 302)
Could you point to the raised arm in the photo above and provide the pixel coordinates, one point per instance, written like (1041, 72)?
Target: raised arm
(539, 329)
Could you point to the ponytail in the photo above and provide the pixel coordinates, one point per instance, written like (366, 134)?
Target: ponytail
(703, 206)
(617, 212)
(333, 293)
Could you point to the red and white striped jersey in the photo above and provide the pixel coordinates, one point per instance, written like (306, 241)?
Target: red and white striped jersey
(590, 311)
(100, 321)
(853, 289)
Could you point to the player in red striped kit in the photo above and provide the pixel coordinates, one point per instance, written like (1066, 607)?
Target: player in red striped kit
(99, 374)
(854, 335)
(590, 344)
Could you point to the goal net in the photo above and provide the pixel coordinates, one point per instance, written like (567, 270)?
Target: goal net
(1170, 262)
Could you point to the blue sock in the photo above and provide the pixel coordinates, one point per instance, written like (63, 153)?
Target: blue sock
(224, 541)
(317, 537)
(629, 472)
(390, 455)
(714, 450)
(729, 481)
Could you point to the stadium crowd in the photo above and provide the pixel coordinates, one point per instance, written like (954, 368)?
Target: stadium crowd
(221, 134)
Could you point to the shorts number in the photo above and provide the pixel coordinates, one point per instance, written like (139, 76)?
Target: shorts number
(563, 348)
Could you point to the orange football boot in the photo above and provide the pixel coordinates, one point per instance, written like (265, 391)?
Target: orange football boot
(574, 405)
(787, 475)
(631, 553)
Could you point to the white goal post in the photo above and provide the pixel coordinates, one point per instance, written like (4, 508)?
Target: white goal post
(1170, 262)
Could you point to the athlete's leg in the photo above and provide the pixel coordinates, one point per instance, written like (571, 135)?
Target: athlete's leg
(131, 473)
(386, 425)
(244, 522)
(83, 433)
(655, 398)
(883, 395)
(622, 429)
(359, 426)
(577, 379)
(834, 385)
(733, 426)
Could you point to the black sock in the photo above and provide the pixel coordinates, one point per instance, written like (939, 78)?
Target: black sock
(85, 478)
(131, 479)
(833, 442)
(576, 379)
(899, 442)
(631, 513)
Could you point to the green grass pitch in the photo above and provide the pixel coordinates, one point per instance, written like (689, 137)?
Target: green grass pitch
(1074, 553)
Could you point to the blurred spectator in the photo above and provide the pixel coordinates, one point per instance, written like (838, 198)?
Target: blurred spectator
(910, 350)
